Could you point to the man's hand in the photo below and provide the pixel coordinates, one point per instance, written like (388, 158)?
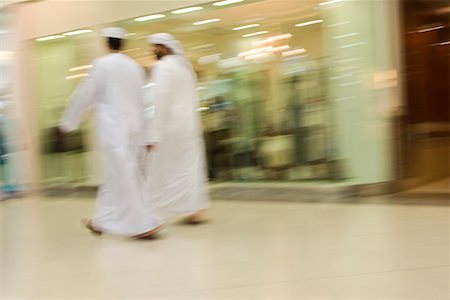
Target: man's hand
(150, 148)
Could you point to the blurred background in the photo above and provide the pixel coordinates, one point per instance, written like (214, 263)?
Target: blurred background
(344, 92)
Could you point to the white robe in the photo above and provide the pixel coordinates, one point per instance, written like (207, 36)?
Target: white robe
(176, 170)
(114, 90)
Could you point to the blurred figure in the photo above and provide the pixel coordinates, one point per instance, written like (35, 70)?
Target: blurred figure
(218, 124)
(114, 88)
(177, 170)
(3, 160)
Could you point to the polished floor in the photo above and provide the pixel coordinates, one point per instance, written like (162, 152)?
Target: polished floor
(438, 187)
(251, 250)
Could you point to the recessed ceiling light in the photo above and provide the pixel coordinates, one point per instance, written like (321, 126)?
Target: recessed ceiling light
(254, 51)
(201, 47)
(80, 68)
(255, 33)
(77, 76)
(273, 39)
(226, 2)
(279, 48)
(246, 26)
(206, 22)
(51, 37)
(345, 35)
(187, 10)
(338, 24)
(431, 29)
(76, 32)
(330, 2)
(256, 56)
(149, 17)
(294, 52)
(308, 23)
(353, 45)
(442, 44)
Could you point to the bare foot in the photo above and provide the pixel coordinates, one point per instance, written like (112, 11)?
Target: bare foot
(88, 224)
(149, 234)
(196, 218)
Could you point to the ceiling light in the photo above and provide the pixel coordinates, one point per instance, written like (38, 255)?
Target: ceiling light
(351, 83)
(352, 45)
(255, 20)
(308, 23)
(273, 39)
(347, 60)
(295, 58)
(262, 52)
(255, 33)
(76, 32)
(130, 34)
(293, 52)
(246, 26)
(187, 10)
(442, 44)
(431, 29)
(226, 2)
(259, 55)
(345, 35)
(206, 22)
(341, 76)
(49, 38)
(149, 17)
(330, 2)
(338, 24)
(201, 47)
(279, 48)
(77, 76)
(80, 68)
(254, 51)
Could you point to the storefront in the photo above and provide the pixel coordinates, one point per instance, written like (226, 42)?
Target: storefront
(290, 90)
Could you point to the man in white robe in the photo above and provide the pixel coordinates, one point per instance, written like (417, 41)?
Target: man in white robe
(174, 137)
(114, 90)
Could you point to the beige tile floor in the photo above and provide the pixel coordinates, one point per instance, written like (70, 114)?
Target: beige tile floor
(252, 250)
